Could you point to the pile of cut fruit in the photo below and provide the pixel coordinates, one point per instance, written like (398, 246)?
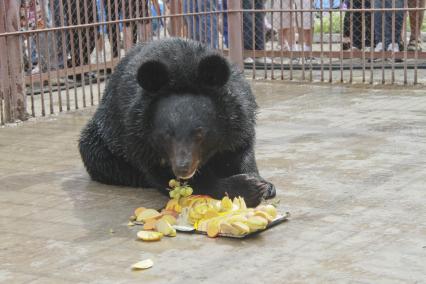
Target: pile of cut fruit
(203, 214)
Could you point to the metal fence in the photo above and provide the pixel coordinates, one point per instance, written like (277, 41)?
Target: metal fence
(55, 55)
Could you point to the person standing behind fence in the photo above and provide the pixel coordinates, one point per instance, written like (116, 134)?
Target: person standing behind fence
(35, 15)
(254, 39)
(416, 22)
(293, 22)
(202, 28)
(131, 9)
(355, 24)
(71, 13)
(387, 32)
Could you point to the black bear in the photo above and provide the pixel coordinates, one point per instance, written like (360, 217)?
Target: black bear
(175, 108)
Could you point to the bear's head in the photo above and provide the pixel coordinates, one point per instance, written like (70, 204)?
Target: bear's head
(186, 125)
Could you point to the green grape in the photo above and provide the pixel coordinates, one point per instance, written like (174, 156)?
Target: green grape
(172, 193)
(173, 183)
(188, 191)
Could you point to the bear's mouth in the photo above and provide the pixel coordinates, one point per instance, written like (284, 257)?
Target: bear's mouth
(187, 176)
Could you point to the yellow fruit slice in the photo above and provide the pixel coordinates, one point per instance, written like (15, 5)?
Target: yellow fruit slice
(171, 204)
(213, 228)
(178, 208)
(194, 215)
(139, 210)
(148, 214)
(226, 204)
(172, 233)
(211, 213)
(226, 228)
(264, 215)
(169, 212)
(165, 228)
(149, 236)
(243, 205)
(170, 219)
(256, 223)
(237, 218)
(149, 224)
(241, 227)
(185, 201)
(201, 208)
(144, 264)
(271, 210)
(202, 225)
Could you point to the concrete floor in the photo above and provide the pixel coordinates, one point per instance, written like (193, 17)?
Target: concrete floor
(349, 164)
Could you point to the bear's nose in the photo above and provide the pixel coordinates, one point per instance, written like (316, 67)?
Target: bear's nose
(184, 170)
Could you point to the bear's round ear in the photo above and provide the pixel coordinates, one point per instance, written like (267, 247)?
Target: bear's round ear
(213, 71)
(152, 76)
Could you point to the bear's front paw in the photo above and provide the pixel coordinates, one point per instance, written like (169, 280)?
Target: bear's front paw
(251, 188)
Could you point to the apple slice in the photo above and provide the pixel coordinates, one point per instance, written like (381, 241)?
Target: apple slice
(144, 264)
(165, 228)
(148, 214)
(149, 236)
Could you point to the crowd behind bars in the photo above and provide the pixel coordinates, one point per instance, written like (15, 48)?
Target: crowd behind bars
(291, 24)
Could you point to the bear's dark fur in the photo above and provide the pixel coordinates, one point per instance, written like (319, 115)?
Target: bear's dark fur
(174, 107)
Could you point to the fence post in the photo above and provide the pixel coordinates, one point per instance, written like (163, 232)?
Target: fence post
(11, 71)
(235, 33)
(176, 27)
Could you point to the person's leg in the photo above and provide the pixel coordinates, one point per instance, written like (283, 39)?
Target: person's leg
(367, 24)
(282, 21)
(416, 19)
(208, 22)
(347, 30)
(306, 40)
(306, 24)
(87, 35)
(109, 6)
(248, 25)
(259, 26)
(356, 28)
(225, 23)
(188, 7)
(286, 38)
(378, 19)
(56, 22)
(393, 24)
(399, 20)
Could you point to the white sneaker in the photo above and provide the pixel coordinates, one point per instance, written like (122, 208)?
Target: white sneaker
(295, 47)
(379, 47)
(263, 60)
(306, 48)
(35, 70)
(393, 47)
(249, 60)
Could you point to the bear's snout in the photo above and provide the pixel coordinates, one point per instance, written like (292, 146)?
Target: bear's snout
(184, 160)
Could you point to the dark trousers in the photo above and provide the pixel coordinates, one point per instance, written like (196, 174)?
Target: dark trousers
(258, 34)
(383, 22)
(357, 23)
(79, 42)
(131, 9)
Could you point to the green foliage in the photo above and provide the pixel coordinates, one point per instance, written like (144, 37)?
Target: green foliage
(335, 26)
